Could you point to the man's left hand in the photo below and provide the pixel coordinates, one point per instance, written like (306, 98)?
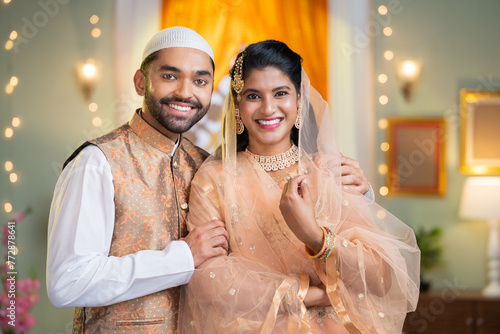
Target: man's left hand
(353, 177)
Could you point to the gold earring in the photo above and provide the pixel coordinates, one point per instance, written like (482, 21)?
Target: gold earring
(239, 124)
(298, 120)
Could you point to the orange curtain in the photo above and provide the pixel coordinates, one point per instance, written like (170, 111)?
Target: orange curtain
(229, 24)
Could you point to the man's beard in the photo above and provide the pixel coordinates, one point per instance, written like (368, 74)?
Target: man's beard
(173, 123)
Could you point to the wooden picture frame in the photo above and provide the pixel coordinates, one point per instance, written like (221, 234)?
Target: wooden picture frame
(416, 156)
(479, 132)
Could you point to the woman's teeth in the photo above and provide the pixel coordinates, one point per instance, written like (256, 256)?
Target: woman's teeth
(271, 122)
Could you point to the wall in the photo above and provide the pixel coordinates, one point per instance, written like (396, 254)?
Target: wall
(458, 44)
(55, 119)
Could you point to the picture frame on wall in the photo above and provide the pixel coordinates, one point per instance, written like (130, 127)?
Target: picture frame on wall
(416, 162)
(479, 132)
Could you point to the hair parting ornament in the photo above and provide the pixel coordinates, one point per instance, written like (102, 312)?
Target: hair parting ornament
(238, 76)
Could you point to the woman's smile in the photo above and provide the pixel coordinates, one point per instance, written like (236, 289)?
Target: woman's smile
(269, 123)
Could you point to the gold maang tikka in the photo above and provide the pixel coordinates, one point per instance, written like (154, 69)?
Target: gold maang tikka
(238, 76)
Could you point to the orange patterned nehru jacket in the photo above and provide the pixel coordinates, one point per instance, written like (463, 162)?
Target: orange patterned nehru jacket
(151, 202)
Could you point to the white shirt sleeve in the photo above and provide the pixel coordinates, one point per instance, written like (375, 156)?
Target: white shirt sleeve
(370, 194)
(82, 217)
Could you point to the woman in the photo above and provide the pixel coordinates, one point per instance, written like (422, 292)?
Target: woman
(306, 256)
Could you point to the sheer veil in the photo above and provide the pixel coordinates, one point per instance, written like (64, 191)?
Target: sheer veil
(371, 278)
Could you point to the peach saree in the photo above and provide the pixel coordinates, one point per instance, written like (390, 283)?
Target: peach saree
(371, 277)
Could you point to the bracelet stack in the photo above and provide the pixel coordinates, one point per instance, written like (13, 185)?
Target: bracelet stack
(326, 249)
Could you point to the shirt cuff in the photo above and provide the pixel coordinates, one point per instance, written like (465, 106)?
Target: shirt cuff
(185, 257)
(370, 194)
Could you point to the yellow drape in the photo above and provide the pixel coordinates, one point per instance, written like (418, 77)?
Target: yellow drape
(229, 24)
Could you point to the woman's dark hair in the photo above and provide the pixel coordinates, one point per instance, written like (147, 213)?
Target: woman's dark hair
(265, 54)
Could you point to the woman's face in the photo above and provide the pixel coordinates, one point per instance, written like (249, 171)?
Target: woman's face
(268, 109)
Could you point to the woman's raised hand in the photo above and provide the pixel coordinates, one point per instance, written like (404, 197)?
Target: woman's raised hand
(297, 208)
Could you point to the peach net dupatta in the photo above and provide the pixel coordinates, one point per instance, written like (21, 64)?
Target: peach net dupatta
(371, 278)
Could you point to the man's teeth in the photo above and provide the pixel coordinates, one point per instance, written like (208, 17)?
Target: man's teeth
(271, 122)
(176, 107)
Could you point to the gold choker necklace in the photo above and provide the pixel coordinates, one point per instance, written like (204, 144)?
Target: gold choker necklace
(278, 161)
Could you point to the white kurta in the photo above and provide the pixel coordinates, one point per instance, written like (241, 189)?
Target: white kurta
(81, 223)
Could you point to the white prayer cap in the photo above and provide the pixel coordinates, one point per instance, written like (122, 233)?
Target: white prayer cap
(177, 37)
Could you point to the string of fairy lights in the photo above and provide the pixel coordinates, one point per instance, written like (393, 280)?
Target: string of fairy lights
(89, 72)
(14, 121)
(407, 72)
(383, 100)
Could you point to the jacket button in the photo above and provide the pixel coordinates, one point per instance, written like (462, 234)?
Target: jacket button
(175, 165)
(184, 206)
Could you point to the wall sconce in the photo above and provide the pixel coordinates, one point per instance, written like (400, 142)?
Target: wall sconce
(481, 200)
(86, 74)
(408, 72)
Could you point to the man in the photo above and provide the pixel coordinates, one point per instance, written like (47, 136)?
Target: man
(118, 247)
(117, 238)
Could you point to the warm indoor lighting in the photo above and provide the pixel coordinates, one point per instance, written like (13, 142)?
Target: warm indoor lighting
(385, 146)
(9, 133)
(93, 107)
(383, 99)
(382, 169)
(408, 72)
(96, 32)
(16, 121)
(9, 89)
(94, 19)
(382, 10)
(14, 81)
(480, 201)
(409, 69)
(13, 177)
(382, 78)
(381, 213)
(6, 1)
(478, 170)
(7, 207)
(387, 31)
(13, 35)
(89, 70)
(383, 191)
(388, 55)
(87, 74)
(471, 98)
(96, 121)
(9, 44)
(383, 123)
(9, 166)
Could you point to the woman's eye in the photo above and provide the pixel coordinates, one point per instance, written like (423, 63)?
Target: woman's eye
(281, 93)
(252, 96)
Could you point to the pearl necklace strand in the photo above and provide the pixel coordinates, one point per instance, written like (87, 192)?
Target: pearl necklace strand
(278, 161)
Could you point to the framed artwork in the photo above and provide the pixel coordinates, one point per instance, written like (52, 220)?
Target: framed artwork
(416, 156)
(479, 132)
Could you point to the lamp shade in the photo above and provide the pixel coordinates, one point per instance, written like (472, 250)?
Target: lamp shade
(480, 198)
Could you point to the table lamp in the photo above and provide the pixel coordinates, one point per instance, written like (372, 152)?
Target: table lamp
(481, 200)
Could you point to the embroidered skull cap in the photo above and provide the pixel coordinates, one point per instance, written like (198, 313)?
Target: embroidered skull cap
(177, 37)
